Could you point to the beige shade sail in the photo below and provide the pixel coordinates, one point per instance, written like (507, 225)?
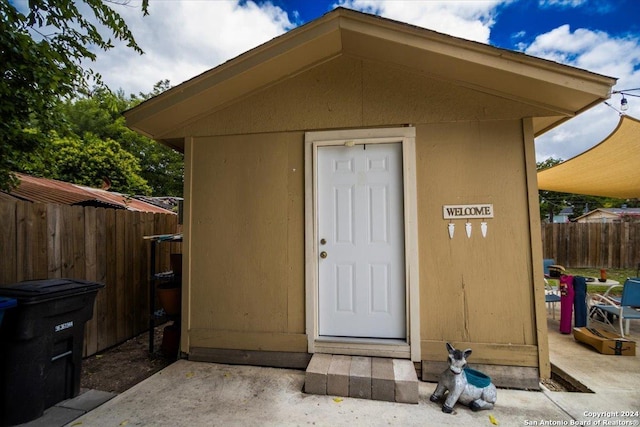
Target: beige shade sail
(610, 169)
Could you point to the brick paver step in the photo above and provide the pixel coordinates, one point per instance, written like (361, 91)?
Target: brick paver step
(391, 380)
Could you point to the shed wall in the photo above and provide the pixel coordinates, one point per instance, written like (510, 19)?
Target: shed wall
(350, 92)
(475, 291)
(246, 217)
(247, 243)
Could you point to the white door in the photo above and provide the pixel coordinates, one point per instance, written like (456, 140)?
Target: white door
(361, 274)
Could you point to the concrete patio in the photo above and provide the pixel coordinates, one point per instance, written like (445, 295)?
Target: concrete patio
(194, 393)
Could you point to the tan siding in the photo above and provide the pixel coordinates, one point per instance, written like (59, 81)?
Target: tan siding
(478, 289)
(349, 92)
(395, 95)
(247, 211)
(327, 96)
(247, 271)
(246, 242)
(295, 234)
(539, 309)
(248, 340)
(187, 317)
(485, 353)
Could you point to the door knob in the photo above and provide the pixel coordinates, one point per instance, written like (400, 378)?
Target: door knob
(323, 241)
(323, 254)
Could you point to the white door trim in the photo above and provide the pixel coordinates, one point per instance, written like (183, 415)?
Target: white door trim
(409, 348)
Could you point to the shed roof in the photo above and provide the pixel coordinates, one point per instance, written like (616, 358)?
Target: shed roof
(610, 169)
(558, 91)
(43, 190)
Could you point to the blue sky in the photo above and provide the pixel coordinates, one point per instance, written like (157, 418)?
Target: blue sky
(516, 22)
(183, 38)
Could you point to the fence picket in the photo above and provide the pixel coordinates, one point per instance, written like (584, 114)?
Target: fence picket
(38, 253)
(90, 266)
(22, 243)
(54, 242)
(593, 245)
(110, 284)
(120, 284)
(8, 242)
(39, 241)
(101, 313)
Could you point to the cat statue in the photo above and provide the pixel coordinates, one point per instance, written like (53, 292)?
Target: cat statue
(465, 385)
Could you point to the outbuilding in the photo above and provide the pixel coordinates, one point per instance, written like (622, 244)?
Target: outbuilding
(363, 186)
(604, 215)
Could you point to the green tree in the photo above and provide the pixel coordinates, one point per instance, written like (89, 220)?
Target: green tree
(100, 115)
(551, 202)
(88, 161)
(42, 51)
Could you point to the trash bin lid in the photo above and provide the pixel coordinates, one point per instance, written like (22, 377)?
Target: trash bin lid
(7, 303)
(34, 290)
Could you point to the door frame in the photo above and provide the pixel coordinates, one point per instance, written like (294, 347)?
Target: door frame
(409, 348)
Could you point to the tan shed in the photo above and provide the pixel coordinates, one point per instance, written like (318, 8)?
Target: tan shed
(363, 186)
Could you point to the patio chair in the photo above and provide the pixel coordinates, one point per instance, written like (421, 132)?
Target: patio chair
(551, 297)
(615, 298)
(606, 308)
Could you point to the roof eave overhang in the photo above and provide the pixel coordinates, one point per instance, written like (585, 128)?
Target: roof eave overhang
(560, 90)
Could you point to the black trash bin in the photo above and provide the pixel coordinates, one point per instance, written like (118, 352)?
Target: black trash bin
(41, 343)
(5, 304)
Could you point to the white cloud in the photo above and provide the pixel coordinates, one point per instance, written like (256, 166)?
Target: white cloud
(520, 34)
(182, 39)
(598, 52)
(471, 20)
(561, 3)
(597, 6)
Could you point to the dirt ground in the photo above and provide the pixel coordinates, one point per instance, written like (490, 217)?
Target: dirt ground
(121, 367)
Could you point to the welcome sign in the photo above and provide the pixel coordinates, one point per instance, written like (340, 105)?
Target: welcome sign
(467, 211)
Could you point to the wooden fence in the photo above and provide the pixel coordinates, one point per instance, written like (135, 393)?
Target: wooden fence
(41, 241)
(592, 245)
